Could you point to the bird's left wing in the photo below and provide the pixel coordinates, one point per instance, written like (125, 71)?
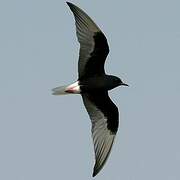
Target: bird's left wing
(93, 44)
(104, 116)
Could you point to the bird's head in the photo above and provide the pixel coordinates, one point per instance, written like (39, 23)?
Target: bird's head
(118, 82)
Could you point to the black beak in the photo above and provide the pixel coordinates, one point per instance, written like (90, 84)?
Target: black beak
(123, 84)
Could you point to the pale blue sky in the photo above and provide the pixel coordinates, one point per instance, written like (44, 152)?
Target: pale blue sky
(47, 137)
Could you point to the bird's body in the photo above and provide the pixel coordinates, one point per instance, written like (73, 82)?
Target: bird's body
(93, 84)
(99, 83)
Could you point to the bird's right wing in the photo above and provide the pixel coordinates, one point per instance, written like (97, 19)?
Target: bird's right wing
(104, 116)
(93, 44)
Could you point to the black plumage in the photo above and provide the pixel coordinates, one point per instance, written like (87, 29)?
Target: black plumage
(93, 84)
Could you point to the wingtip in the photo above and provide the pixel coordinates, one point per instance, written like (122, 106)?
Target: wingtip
(69, 3)
(96, 169)
(95, 172)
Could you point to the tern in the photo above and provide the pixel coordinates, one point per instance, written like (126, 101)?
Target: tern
(93, 85)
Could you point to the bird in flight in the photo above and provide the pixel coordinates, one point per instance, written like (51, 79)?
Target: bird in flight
(93, 85)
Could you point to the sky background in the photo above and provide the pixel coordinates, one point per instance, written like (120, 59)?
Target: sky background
(45, 137)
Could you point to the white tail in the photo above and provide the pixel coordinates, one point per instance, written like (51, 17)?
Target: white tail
(60, 90)
(68, 89)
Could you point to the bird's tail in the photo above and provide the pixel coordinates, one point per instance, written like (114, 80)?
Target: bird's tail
(61, 90)
(68, 89)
